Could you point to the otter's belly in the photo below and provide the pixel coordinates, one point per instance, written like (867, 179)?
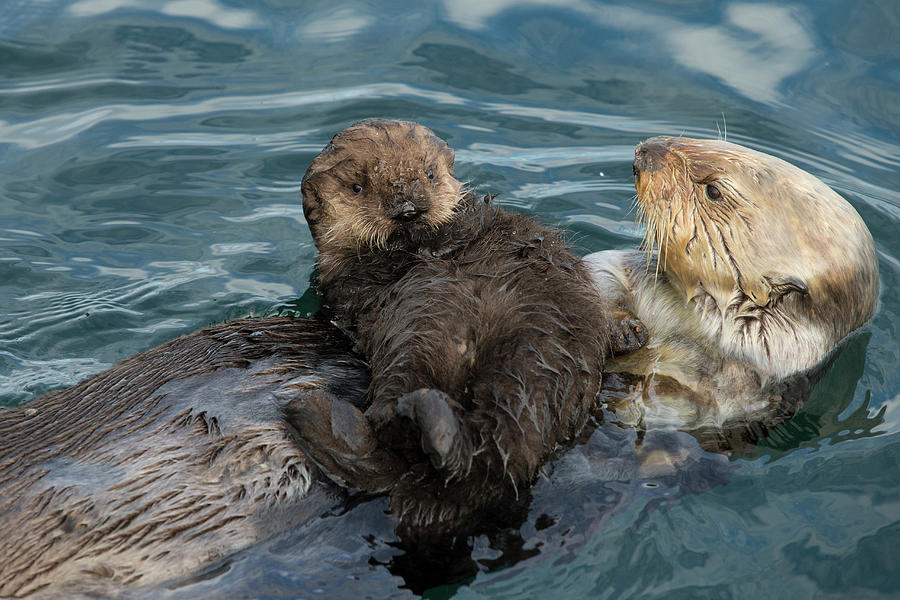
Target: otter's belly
(166, 462)
(683, 378)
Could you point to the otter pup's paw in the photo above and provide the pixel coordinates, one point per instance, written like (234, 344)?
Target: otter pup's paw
(628, 333)
(438, 426)
(338, 438)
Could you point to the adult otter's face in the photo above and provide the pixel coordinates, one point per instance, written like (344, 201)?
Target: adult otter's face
(377, 178)
(725, 217)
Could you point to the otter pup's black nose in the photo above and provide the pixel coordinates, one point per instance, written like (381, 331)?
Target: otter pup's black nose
(407, 211)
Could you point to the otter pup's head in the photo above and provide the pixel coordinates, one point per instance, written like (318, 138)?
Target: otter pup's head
(375, 179)
(757, 234)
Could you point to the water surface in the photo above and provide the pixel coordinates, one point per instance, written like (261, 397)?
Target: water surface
(150, 160)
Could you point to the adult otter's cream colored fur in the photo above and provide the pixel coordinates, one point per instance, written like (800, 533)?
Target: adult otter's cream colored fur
(759, 270)
(168, 461)
(486, 337)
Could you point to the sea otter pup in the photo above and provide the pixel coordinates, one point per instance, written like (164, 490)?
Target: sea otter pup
(486, 337)
(759, 271)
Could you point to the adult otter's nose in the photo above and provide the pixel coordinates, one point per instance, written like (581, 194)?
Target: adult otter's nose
(650, 156)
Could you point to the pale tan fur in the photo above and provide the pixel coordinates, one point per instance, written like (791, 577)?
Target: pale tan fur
(751, 288)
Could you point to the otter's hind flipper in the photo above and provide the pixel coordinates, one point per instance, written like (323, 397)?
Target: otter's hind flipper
(339, 439)
(433, 414)
(428, 419)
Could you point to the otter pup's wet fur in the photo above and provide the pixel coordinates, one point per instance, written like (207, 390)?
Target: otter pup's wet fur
(485, 335)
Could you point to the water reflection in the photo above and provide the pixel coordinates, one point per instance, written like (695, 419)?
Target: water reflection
(754, 49)
(538, 159)
(336, 26)
(211, 11)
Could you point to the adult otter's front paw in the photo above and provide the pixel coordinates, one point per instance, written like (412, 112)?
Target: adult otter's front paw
(627, 332)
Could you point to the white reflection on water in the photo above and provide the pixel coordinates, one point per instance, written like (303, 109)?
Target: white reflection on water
(565, 187)
(264, 289)
(539, 160)
(627, 228)
(759, 47)
(336, 26)
(267, 211)
(62, 126)
(29, 375)
(38, 313)
(753, 49)
(891, 416)
(208, 10)
(206, 140)
(241, 248)
(71, 81)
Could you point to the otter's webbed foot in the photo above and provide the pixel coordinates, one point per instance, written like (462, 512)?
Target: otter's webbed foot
(338, 438)
(435, 428)
(627, 332)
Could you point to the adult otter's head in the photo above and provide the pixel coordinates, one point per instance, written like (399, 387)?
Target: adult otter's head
(377, 178)
(784, 258)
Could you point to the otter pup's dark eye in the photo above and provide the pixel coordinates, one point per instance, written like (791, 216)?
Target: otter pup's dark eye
(356, 188)
(713, 193)
(430, 173)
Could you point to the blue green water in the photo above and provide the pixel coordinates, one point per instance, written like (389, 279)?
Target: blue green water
(150, 160)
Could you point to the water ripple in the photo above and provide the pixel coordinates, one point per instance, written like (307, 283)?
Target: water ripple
(31, 377)
(753, 49)
(207, 10)
(68, 83)
(62, 126)
(539, 160)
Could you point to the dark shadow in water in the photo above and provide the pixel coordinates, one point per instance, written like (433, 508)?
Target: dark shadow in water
(819, 418)
(437, 567)
(306, 305)
(163, 42)
(871, 566)
(463, 68)
(21, 59)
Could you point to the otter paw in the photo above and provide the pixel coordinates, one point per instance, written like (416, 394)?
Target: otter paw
(629, 334)
(438, 425)
(336, 436)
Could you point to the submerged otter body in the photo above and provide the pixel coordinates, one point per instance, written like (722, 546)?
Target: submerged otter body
(485, 335)
(167, 461)
(758, 272)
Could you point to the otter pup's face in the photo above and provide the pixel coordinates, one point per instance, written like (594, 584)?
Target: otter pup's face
(378, 178)
(725, 217)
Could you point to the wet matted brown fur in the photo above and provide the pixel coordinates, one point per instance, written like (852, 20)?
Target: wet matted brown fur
(167, 461)
(485, 334)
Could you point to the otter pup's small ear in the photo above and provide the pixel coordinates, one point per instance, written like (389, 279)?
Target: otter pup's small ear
(445, 152)
(326, 159)
(310, 196)
(448, 154)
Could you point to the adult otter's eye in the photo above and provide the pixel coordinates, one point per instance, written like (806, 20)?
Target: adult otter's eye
(430, 173)
(356, 188)
(713, 193)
